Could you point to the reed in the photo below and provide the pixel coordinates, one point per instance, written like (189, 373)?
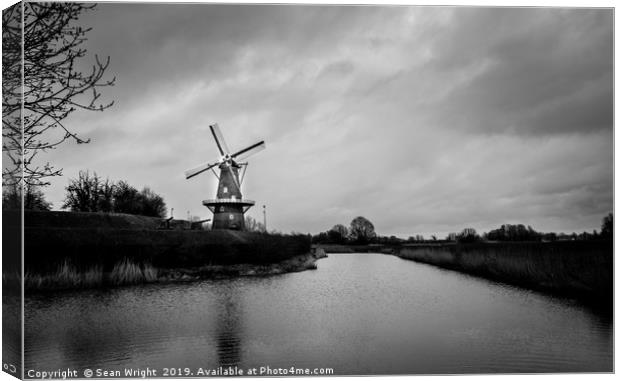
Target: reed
(68, 276)
(129, 272)
(576, 268)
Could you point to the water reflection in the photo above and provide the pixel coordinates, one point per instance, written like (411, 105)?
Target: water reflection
(228, 326)
(359, 314)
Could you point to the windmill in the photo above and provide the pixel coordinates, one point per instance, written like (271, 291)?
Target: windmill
(229, 206)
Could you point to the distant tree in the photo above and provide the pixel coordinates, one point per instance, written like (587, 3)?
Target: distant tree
(83, 193)
(252, 225)
(88, 193)
(34, 199)
(321, 237)
(106, 197)
(550, 237)
(126, 199)
(12, 197)
(41, 41)
(586, 236)
(468, 235)
(563, 237)
(362, 230)
(514, 233)
(607, 228)
(338, 234)
(153, 205)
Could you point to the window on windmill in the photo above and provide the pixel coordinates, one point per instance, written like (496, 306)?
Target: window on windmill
(225, 190)
(233, 197)
(231, 217)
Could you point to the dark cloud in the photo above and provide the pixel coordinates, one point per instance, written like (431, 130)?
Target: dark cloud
(423, 119)
(533, 71)
(336, 69)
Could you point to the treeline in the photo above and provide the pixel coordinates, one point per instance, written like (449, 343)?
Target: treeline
(90, 193)
(521, 233)
(361, 231)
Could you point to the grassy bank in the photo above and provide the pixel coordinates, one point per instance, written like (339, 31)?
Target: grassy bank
(574, 268)
(128, 272)
(48, 248)
(66, 249)
(81, 220)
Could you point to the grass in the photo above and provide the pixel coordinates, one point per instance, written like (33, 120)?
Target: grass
(68, 276)
(573, 268)
(45, 248)
(128, 272)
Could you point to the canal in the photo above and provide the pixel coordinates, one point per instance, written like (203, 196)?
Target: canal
(357, 314)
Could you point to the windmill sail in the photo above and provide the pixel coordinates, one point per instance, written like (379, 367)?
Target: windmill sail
(249, 151)
(219, 139)
(198, 170)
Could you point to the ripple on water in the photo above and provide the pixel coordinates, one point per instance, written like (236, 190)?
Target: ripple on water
(358, 313)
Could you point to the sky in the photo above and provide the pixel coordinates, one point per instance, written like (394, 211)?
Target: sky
(425, 120)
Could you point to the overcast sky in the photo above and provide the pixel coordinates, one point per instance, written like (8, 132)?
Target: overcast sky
(422, 119)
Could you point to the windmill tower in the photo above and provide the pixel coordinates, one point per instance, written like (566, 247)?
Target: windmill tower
(229, 206)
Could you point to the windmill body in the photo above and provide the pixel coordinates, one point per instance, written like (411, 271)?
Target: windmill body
(229, 205)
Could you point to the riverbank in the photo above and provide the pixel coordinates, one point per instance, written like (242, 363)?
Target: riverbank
(128, 272)
(579, 269)
(77, 250)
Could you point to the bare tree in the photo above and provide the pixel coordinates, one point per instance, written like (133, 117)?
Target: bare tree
(252, 225)
(53, 84)
(85, 194)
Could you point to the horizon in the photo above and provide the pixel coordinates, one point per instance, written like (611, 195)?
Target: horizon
(424, 120)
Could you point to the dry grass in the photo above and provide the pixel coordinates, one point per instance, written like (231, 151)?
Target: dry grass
(568, 267)
(68, 276)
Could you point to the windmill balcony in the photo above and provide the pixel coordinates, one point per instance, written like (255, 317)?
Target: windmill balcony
(244, 201)
(229, 201)
(242, 204)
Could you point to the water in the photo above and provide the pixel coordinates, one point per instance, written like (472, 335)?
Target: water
(357, 314)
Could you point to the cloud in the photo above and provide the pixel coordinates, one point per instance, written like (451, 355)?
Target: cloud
(541, 71)
(423, 119)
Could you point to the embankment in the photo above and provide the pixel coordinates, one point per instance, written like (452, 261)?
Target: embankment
(65, 250)
(581, 269)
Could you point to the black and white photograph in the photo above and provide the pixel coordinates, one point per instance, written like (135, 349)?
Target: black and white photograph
(195, 190)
